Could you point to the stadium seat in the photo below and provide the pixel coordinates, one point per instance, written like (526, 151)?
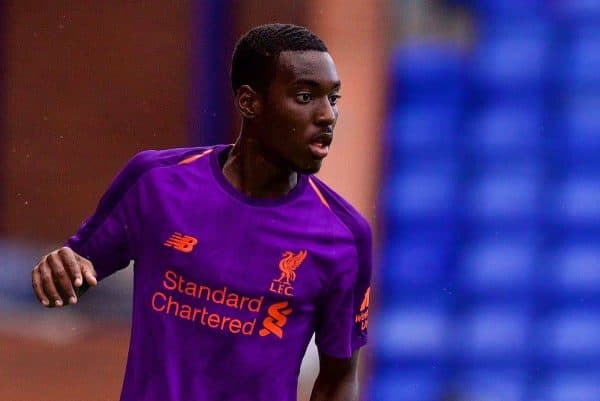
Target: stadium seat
(497, 266)
(407, 385)
(492, 10)
(577, 12)
(411, 332)
(503, 131)
(492, 335)
(415, 261)
(581, 61)
(422, 192)
(577, 202)
(419, 130)
(427, 73)
(580, 131)
(574, 270)
(492, 385)
(506, 196)
(570, 385)
(511, 61)
(570, 337)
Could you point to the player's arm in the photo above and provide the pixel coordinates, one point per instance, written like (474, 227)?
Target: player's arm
(337, 379)
(61, 277)
(64, 274)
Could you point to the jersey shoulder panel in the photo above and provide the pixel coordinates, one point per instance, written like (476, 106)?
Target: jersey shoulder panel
(136, 167)
(348, 215)
(147, 160)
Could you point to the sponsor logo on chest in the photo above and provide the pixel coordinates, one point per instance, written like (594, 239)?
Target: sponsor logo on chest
(179, 295)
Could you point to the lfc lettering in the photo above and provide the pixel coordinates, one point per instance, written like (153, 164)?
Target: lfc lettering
(281, 288)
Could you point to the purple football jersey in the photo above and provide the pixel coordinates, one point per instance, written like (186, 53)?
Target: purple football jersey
(228, 289)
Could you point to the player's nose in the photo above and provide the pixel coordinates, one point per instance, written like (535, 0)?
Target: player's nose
(326, 113)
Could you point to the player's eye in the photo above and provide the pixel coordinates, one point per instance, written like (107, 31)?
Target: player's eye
(303, 97)
(333, 99)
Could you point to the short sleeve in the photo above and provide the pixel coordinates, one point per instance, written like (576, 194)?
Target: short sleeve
(343, 318)
(104, 237)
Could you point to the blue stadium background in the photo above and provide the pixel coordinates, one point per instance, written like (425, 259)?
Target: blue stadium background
(489, 284)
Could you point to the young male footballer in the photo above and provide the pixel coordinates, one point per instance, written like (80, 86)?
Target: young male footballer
(240, 253)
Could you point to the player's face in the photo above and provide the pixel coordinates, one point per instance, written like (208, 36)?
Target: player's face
(300, 109)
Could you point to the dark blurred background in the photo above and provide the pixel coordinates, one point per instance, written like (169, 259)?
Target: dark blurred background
(468, 136)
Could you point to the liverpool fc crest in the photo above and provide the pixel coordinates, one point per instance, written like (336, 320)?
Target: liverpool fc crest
(287, 265)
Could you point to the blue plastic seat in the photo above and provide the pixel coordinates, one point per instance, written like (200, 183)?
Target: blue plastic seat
(580, 131)
(505, 130)
(492, 10)
(492, 385)
(577, 202)
(574, 270)
(411, 333)
(570, 337)
(570, 385)
(577, 11)
(407, 385)
(511, 61)
(581, 61)
(428, 73)
(422, 192)
(493, 335)
(497, 265)
(422, 129)
(504, 196)
(415, 261)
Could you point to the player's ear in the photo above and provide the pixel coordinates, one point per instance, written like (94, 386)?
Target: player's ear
(248, 102)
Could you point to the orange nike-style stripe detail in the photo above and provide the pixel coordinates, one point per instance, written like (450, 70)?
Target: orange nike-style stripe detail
(195, 157)
(319, 194)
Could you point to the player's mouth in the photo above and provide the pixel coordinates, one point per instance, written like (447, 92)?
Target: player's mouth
(319, 145)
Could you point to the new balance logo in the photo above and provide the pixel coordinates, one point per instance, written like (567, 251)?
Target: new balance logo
(277, 318)
(180, 242)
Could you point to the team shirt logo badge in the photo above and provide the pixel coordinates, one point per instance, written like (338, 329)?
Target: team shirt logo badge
(287, 265)
(362, 318)
(181, 243)
(273, 324)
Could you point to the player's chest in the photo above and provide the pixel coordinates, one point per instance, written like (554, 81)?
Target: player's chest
(253, 254)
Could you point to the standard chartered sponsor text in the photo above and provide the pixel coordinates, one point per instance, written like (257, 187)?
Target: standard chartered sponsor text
(162, 301)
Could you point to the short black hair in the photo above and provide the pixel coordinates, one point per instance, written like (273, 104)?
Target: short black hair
(256, 52)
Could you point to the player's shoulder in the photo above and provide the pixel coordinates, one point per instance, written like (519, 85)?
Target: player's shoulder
(344, 210)
(148, 159)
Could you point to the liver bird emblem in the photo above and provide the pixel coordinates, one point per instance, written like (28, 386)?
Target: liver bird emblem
(288, 265)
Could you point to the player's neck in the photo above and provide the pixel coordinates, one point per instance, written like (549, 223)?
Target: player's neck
(252, 173)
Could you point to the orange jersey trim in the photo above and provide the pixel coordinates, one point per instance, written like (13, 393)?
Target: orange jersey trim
(319, 194)
(195, 157)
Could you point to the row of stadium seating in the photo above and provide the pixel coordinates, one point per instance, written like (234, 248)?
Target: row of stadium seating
(563, 11)
(500, 129)
(489, 279)
(490, 385)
